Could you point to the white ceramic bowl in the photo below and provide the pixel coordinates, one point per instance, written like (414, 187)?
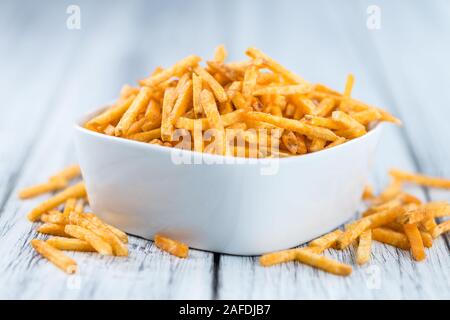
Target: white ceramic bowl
(241, 208)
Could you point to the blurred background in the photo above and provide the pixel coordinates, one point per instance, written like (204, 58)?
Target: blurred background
(60, 59)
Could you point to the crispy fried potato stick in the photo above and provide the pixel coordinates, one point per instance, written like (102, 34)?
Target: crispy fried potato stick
(69, 206)
(70, 244)
(326, 106)
(54, 216)
(352, 233)
(210, 108)
(95, 220)
(166, 125)
(216, 88)
(349, 86)
(273, 258)
(146, 136)
(111, 114)
(196, 90)
(53, 229)
(68, 173)
(440, 229)
(348, 122)
(390, 237)
(171, 246)
(323, 263)
(427, 239)
(220, 54)
(335, 143)
(76, 191)
(100, 245)
(367, 116)
(420, 179)
(324, 122)
(415, 241)
(49, 186)
(283, 90)
(168, 73)
(139, 103)
(326, 241)
(55, 256)
(364, 247)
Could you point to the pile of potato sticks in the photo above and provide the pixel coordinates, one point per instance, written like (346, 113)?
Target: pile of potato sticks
(73, 229)
(254, 108)
(394, 217)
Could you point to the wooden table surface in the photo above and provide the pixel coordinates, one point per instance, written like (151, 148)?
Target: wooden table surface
(50, 75)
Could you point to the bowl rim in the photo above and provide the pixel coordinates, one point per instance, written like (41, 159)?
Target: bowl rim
(78, 126)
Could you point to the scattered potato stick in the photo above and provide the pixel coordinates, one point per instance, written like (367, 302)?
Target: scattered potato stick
(427, 239)
(384, 206)
(68, 173)
(440, 229)
(139, 103)
(173, 247)
(49, 186)
(112, 114)
(100, 245)
(95, 220)
(364, 247)
(428, 224)
(352, 233)
(391, 191)
(55, 217)
(273, 258)
(70, 244)
(69, 206)
(323, 263)
(53, 229)
(416, 215)
(420, 179)
(390, 237)
(216, 88)
(415, 241)
(326, 241)
(55, 256)
(168, 73)
(76, 191)
(386, 216)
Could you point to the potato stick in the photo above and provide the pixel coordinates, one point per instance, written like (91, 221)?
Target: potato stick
(68, 173)
(216, 88)
(390, 192)
(290, 141)
(234, 88)
(136, 126)
(273, 258)
(111, 114)
(324, 122)
(367, 116)
(166, 125)
(69, 206)
(323, 88)
(55, 256)
(409, 198)
(303, 104)
(168, 73)
(349, 86)
(139, 103)
(427, 239)
(384, 206)
(33, 191)
(95, 220)
(317, 145)
(197, 135)
(53, 229)
(54, 216)
(348, 121)
(224, 71)
(196, 90)
(79, 207)
(326, 241)
(416, 216)
(100, 245)
(390, 237)
(249, 83)
(240, 102)
(109, 130)
(220, 54)
(274, 66)
(153, 112)
(350, 133)
(70, 244)
(283, 90)
(265, 78)
(171, 246)
(210, 109)
(386, 116)
(183, 100)
(428, 224)
(368, 193)
(364, 247)
(440, 229)
(323, 263)
(384, 217)
(335, 143)
(76, 191)
(325, 107)
(415, 241)
(119, 248)
(420, 179)
(293, 125)
(353, 232)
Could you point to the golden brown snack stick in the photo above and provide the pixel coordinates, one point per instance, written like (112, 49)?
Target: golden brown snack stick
(139, 103)
(364, 247)
(317, 145)
(69, 206)
(274, 66)
(390, 192)
(111, 114)
(323, 122)
(352, 233)
(415, 241)
(119, 248)
(54, 216)
(49, 186)
(183, 100)
(349, 86)
(220, 54)
(365, 117)
(217, 89)
(273, 258)
(283, 90)
(146, 136)
(390, 237)
(53, 229)
(76, 191)
(95, 220)
(168, 73)
(100, 245)
(70, 244)
(171, 246)
(335, 143)
(325, 107)
(427, 239)
(386, 216)
(326, 241)
(68, 173)
(197, 87)
(440, 229)
(293, 125)
(329, 265)
(348, 122)
(249, 83)
(79, 207)
(55, 256)
(166, 125)
(210, 108)
(420, 179)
